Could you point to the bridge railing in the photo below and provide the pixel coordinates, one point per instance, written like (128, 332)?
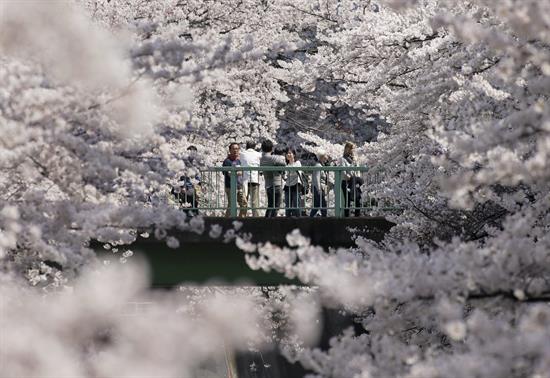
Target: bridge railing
(336, 197)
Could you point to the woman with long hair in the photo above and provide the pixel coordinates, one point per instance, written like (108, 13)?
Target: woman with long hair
(351, 183)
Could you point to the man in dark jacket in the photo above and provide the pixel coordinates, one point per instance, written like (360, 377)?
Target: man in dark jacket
(233, 160)
(273, 179)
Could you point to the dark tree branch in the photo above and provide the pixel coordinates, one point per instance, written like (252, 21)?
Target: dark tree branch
(326, 18)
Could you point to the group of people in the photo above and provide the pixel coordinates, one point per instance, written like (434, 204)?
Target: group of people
(291, 186)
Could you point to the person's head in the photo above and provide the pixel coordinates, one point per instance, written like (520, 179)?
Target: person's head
(250, 145)
(279, 150)
(290, 155)
(349, 148)
(267, 146)
(322, 157)
(192, 153)
(234, 150)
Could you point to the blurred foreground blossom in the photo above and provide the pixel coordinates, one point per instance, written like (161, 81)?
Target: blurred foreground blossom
(88, 331)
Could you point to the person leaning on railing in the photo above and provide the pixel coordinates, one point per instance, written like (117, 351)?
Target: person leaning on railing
(273, 179)
(233, 160)
(321, 185)
(188, 190)
(186, 193)
(351, 182)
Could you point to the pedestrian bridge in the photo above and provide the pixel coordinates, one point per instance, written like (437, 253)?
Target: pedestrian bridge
(210, 196)
(213, 256)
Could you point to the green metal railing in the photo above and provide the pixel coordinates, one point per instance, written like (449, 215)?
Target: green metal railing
(210, 196)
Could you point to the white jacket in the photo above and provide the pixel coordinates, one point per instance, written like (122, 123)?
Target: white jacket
(346, 175)
(250, 158)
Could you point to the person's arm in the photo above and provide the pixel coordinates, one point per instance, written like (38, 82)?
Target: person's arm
(226, 163)
(330, 181)
(278, 160)
(300, 174)
(346, 175)
(245, 159)
(316, 179)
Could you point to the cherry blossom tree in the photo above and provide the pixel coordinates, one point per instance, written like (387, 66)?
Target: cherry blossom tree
(447, 100)
(464, 87)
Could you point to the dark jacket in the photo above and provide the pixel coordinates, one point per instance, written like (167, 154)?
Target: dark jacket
(228, 163)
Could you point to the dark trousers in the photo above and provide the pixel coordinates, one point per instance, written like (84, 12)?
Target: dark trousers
(351, 190)
(292, 200)
(319, 203)
(273, 201)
